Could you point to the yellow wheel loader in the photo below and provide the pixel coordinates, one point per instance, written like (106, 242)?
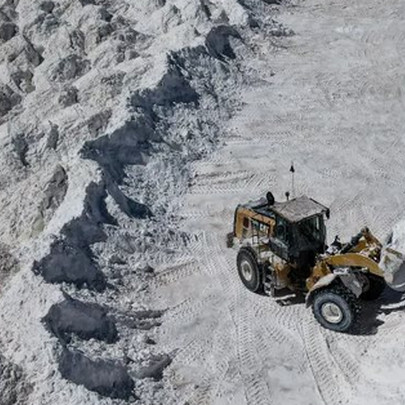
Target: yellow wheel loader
(283, 251)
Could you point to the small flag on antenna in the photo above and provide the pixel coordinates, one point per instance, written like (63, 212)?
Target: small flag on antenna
(292, 170)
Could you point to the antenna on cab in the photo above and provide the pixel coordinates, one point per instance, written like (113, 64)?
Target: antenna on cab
(292, 171)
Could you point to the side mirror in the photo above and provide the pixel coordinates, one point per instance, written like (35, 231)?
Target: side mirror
(327, 213)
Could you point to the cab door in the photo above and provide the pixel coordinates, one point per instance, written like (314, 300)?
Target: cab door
(279, 241)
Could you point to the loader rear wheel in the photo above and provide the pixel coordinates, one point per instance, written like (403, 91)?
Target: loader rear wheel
(336, 308)
(249, 270)
(374, 289)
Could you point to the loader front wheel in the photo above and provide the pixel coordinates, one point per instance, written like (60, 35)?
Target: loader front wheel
(248, 269)
(336, 308)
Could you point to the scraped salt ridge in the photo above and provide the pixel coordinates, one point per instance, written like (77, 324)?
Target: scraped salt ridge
(165, 127)
(68, 258)
(13, 387)
(71, 259)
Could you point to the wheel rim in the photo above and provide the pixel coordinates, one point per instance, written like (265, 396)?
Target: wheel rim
(247, 271)
(332, 313)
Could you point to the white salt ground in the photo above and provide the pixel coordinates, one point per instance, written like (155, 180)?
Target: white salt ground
(334, 107)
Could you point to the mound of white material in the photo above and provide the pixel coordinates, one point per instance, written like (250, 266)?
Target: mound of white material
(103, 107)
(393, 258)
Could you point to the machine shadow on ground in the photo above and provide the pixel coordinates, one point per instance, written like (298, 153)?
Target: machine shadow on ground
(390, 301)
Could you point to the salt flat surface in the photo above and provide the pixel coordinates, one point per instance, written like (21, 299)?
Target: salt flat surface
(334, 107)
(228, 98)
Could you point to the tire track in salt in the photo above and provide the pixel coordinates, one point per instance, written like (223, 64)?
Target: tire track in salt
(331, 387)
(256, 389)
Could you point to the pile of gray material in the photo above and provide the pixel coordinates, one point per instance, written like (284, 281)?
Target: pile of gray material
(8, 99)
(155, 368)
(103, 108)
(87, 321)
(102, 376)
(8, 263)
(14, 390)
(218, 42)
(71, 264)
(70, 259)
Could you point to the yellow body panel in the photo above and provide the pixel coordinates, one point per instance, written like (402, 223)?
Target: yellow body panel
(247, 213)
(324, 266)
(321, 269)
(355, 260)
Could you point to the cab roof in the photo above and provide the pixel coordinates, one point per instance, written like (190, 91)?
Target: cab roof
(294, 210)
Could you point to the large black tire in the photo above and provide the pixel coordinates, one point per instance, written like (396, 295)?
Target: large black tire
(336, 308)
(376, 285)
(249, 270)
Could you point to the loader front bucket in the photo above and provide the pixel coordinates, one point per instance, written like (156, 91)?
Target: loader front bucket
(393, 264)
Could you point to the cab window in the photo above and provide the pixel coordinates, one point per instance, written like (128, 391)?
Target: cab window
(245, 227)
(261, 229)
(282, 230)
(312, 228)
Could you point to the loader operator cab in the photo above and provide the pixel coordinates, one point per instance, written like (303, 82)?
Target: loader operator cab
(295, 228)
